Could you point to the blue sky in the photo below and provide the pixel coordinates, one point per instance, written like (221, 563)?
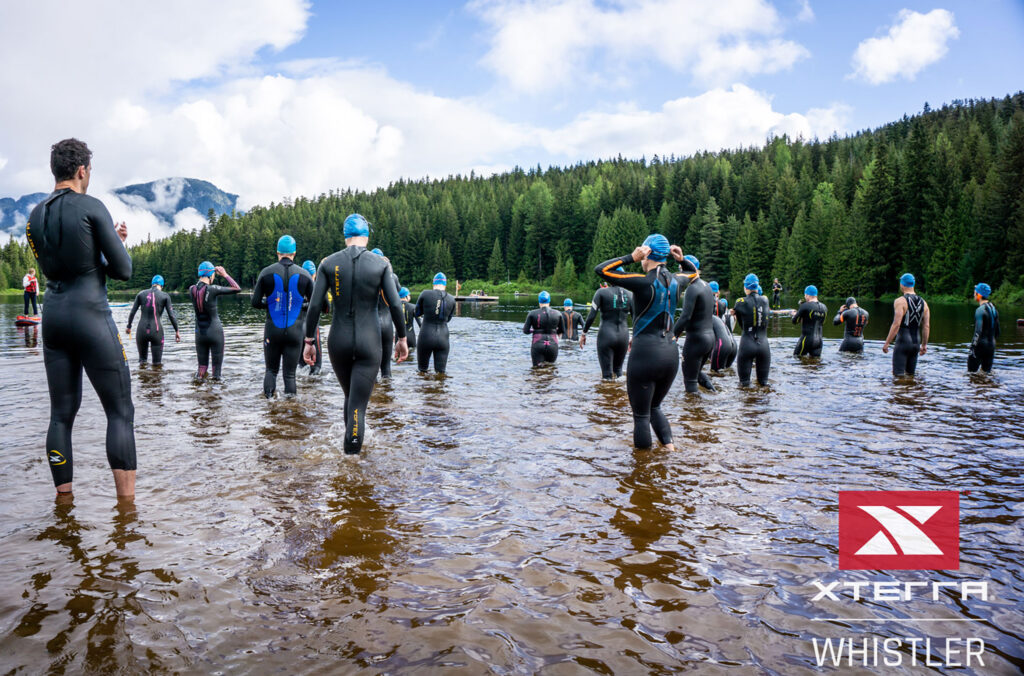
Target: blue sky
(281, 98)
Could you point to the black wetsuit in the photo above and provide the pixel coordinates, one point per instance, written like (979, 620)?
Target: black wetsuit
(752, 312)
(411, 322)
(776, 293)
(153, 302)
(907, 346)
(573, 324)
(653, 361)
(812, 314)
(318, 364)
(983, 345)
(546, 325)
(854, 319)
(722, 312)
(615, 305)
(356, 278)
(73, 237)
(724, 351)
(695, 319)
(387, 331)
(436, 308)
(282, 289)
(209, 330)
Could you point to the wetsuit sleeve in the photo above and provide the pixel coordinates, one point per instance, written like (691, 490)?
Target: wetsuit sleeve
(119, 263)
(451, 310)
(591, 316)
(225, 290)
(799, 314)
(979, 323)
(259, 295)
(626, 280)
(995, 323)
(689, 302)
(390, 295)
(135, 308)
(563, 326)
(838, 319)
(170, 313)
(317, 300)
(419, 308)
(527, 329)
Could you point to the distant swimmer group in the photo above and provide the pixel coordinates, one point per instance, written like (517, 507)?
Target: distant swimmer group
(374, 322)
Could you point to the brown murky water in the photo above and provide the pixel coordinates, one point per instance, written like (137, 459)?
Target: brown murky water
(498, 520)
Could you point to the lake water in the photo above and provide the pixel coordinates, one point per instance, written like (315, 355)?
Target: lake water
(498, 520)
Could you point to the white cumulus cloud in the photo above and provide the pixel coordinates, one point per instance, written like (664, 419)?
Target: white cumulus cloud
(914, 42)
(539, 45)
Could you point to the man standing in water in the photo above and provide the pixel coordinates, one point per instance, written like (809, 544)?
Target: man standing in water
(573, 322)
(615, 305)
(31, 286)
(695, 319)
(546, 325)
(281, 289)
(986, 330)
(910, 327)
(811, 313)
(776, 294)
(78, 247)
(356, 278)
(855, 318)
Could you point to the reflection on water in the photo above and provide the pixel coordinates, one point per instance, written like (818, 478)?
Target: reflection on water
(498, 518)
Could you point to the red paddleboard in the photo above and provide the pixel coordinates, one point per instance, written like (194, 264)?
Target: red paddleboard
(23, 320)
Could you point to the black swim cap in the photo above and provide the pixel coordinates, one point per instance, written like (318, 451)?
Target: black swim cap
(851, 301)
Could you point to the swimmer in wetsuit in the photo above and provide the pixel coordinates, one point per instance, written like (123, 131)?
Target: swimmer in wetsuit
(387, 333)
(411, 320)
(854, 318)
(356, 278)
(776, 294)
(614, 304)
(151, 332)
(546, 325)
(721, 306)
(752, 312)
(573, 322)
(314, 368)
(724, 351)
(811, 314)
(986, 330)
(282, 289)
(436, 306)
(911, 325)
(695, 320)
(78, 247)
(654, 357)
(209, 330)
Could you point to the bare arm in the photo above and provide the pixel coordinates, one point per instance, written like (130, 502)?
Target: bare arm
(899, 307)
(925, 328)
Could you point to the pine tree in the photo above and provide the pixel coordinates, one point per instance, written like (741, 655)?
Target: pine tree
(496, 264)
(710, 253)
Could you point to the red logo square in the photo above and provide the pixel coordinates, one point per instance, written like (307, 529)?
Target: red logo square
(899, 530)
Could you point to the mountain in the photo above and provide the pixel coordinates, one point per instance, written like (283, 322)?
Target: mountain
(164, 198)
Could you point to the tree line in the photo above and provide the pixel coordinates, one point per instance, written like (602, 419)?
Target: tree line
(939, 194)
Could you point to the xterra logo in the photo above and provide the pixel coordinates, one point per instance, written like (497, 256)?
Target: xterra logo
(899, 530)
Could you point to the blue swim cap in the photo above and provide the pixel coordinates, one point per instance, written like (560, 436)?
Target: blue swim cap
(907, 280)
(693, 261)
(659, 247)
(440, 278)
(567, 303)
(543, 297)
(714, 286)
(286, 245)
(751, 282)
(157, 279)
(811, 290)
(206, 269)
(310, 267)
(760, 291)
(356, 226)
(403, 292)
(983, 290)
(378, 252)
